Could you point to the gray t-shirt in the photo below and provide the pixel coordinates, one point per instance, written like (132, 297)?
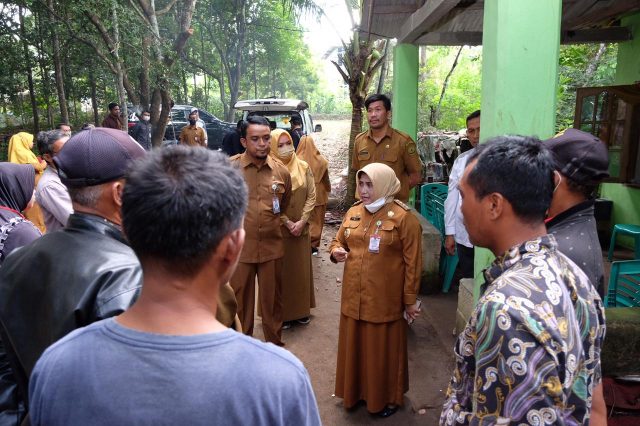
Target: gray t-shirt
(106, 374)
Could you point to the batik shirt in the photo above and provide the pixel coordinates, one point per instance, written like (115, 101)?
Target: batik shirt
(530, 353)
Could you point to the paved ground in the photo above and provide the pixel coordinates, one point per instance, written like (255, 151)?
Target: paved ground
(430, 351)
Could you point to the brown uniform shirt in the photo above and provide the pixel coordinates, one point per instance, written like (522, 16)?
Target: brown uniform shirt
(192, 136)
(377, 286)
(112, 122)
(396, 149)
(263, 241)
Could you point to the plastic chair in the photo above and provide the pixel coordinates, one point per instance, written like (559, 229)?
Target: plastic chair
(448, 263)
(624, 285)
(624, 229)
(428, 192)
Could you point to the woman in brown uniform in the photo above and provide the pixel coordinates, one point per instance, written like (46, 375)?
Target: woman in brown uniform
(297, 277)
(380, 241)
(319, 165)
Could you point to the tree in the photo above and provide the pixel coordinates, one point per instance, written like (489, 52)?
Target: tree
(357, 65)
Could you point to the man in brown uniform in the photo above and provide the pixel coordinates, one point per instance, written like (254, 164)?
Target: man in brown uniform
(269, 185)
(193, 135)
(112, 120)
(383, 144)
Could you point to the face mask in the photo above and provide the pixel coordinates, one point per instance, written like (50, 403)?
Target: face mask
(285, 151)
(145, 118)
(376, 205)
(192, 122)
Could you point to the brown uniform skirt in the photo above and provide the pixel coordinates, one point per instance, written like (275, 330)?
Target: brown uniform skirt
(372, 363)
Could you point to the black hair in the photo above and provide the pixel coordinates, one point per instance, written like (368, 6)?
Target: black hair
(239, 124)
(112, 105)
(145, 111)
(59, 126)
(296, 120)
(255, 120)
(586, 190)
(474, 114)
(378, 97)
(87, 126)
(45, 140)
(518, 167)
(178, 204)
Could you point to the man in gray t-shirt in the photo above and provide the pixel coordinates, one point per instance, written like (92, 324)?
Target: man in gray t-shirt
(167, 360)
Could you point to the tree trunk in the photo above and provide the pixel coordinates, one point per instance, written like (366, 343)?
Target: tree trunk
(27, 63)
(593, 65)
(119, 71)
(356, 128)
(144, 74)
(435, 116)
(57, 63)
(94, 97)
(383, 70)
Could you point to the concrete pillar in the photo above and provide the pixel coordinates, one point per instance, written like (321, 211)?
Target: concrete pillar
(405, 88)
(521, 44)
(628, 66)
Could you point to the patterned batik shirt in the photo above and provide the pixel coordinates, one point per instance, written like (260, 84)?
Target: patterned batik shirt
(530, 353)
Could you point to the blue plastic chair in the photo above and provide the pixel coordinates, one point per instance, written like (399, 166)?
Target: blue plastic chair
(624, 229)
(624, 285)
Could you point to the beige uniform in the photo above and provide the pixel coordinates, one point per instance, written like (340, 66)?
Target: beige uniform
(264, 247)
(396, 149)
(193, 136)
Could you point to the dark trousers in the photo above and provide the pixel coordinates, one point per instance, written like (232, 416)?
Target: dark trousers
(465, 260)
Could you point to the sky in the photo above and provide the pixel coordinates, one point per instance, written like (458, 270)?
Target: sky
(324, 34)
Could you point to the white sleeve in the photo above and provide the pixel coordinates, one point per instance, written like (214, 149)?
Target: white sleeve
(453, 196)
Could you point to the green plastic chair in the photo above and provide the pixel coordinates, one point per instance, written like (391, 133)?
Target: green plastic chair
(448, 263)
(428, 193)
(624, 229)
(624, 285)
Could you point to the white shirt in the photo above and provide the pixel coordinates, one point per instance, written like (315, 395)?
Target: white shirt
(453, 223)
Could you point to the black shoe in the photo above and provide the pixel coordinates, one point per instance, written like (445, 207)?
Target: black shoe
(287, 325)
(314, 251)
(304, 321)
(388, 411)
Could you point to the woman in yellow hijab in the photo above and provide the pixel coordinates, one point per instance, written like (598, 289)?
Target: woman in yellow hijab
(319, 165)
(297, 280)
(380, 241)
(20, 152)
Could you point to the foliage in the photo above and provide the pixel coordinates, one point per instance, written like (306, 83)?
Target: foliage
(583, 65)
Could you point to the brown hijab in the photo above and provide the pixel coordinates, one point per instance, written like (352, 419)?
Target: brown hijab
(308, 151)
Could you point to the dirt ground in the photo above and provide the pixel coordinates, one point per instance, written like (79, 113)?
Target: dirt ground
(430, 338)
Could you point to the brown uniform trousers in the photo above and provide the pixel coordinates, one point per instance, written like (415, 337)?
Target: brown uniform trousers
(264, 247)
(396, 149)
(316, 222)
(193, 136)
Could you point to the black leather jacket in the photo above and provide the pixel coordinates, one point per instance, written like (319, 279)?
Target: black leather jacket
(60, 282)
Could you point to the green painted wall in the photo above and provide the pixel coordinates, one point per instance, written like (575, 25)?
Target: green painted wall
(405, 88)
(626, 200)
(521, 44)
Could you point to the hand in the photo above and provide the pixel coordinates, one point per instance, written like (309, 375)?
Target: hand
(297, 228)
(413, 311)
(450, 245)
(339, 254)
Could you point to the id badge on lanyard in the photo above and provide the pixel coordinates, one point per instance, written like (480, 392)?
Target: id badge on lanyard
(374, 240)
(276, 201)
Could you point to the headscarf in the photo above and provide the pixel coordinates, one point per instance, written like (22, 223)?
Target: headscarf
(308, 151)
(297, 168)
(20, 146)
(384, 180)
(17, 182)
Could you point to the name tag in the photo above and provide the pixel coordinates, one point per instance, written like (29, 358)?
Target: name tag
(276, 205)
(374, 243)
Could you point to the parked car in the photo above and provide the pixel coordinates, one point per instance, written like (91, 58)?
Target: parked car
(215, 128)
(279, 111)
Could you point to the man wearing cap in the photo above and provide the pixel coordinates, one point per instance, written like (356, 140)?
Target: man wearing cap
(200, 123)
(191, 134)
(269, 186)
(581, 162)
(112, 120)
(81, 274)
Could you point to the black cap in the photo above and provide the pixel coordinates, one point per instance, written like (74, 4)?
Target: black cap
(95, 156)
(580, 156)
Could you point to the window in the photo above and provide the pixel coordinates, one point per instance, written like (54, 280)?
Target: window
(613, 114)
